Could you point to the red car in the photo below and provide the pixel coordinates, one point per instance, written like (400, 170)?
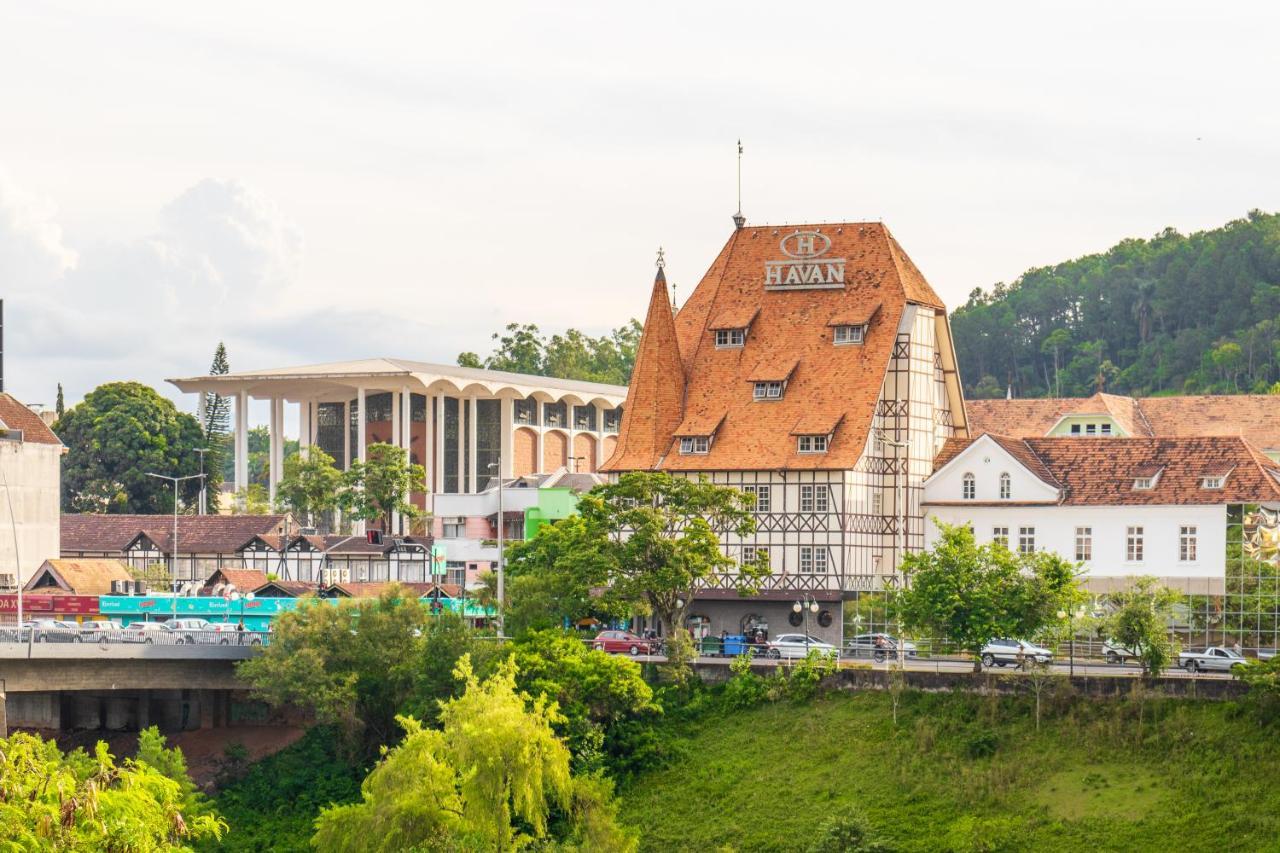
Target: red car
(622, 641)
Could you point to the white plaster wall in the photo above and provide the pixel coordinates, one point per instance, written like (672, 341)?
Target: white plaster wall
(986, 460)
(1056, 531)
(31, 473)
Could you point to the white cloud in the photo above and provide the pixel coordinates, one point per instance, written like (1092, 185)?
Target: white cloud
(32, 254)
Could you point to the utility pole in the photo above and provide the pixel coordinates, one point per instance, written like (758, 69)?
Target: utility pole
(173, 554)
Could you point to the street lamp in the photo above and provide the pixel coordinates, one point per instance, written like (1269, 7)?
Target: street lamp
(899, 498)
(575, 460)
(1071, 616)
(173, 553)
(496, 467)
(806, 605)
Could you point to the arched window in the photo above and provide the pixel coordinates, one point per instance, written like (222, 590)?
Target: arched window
(1006, 487)
(967, 489)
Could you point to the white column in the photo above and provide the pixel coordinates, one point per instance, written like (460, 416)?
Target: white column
(437, 439)
(599, 439)
(537, 463)
(472, 480)
(200, 408)
(304, 425)
(362, 420)
(242, 441)
(346, 434)
(275, 453)
(507, 419)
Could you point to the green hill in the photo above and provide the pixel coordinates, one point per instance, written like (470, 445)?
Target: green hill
(962, 772)
(1177, 313)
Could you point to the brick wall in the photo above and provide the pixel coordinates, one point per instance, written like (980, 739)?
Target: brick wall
(524, 452)
(555, 446)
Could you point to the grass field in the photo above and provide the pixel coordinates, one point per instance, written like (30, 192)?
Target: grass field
(963, 772)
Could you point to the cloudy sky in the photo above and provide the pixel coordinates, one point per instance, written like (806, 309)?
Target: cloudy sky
(312, 182)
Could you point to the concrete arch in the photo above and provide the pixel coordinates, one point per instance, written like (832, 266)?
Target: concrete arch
(524, 452)
(555, 450)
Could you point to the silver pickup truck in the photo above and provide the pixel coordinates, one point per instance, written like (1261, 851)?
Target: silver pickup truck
(1213, 658)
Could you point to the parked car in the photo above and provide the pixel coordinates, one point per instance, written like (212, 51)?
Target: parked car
(1213, 658)
(797, 646)
(54, 631)
(878, 646)
(100, 630)
(192, 630)
(144, 632)
(623, 641)
(1116, 653)
(1003, 651)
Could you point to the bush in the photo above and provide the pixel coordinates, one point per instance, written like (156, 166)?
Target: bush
(848, 832)
(744, 689)
(807, 675)
(982, 744)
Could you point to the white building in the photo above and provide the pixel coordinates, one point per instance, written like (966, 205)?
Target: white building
(462, 424)
(1201, 514)
(813, 368)
(30, 470)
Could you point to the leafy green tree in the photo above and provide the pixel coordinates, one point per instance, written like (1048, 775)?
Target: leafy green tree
(1140, 622)
(572, 355)
(311, 487)
(60, 406)
(847, 831)
(258, 444)
(493, 777)
(970, 593)
(551, 578)
(55, 801)
(252, 500)
(594, 691)
(383, 484)
(114, 437)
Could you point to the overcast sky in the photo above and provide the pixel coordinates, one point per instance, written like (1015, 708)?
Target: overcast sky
(313, 182)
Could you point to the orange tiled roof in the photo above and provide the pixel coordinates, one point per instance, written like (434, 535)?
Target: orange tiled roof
(857, 317)
(1034, 417)
(774, 369)
(699, 424)
(1101, 473)
(14, 415)
(735, 317)
(830, 384)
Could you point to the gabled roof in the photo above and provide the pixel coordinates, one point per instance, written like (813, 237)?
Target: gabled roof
(242, 580)
(1015, 447)
(829, 384)
(79, 577)
(14, 415)
(1034, 417)
(1101, 473)
(198, 534)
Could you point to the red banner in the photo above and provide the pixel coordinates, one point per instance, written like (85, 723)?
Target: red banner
(50, 605)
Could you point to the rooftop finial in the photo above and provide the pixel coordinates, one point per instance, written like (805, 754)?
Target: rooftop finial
(662, 261)
(738, 219)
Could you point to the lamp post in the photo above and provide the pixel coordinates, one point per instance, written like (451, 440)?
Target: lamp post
(900, 492)
(806, 605)
(1071, 616)
(173, 546)
(574, 460)
(496, 467)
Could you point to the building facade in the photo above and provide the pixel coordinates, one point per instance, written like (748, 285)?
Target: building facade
(812, 367)
(30, 473)
(463, 425)
(1200, 514)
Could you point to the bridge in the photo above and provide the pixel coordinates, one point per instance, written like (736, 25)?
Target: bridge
(117, 686)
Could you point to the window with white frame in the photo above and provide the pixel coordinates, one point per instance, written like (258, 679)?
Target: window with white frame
(1105, 429)
(454, 528)
(849, 334)
(1006, 487)
(812, 444)
(813, 498)
(754, 553)
(877, 503)
(1026, 540)
(1084, 544)
(1001, 535)
(806, 498)
(820, 561)
(1187, 536)
(762, 494)
(968, 487)
(726, 338)
(821, 499)
(1143, 483)
(813, 560)
(768, 391)
(1091, 429)
(695, 444)
(1212, 482)
(1133, 544)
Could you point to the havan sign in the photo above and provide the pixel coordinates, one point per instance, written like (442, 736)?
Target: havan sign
(805, 267)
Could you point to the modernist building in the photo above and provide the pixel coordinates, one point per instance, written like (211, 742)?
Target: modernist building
(1201, 514)
(30, 472)
(463, 425)
(812, 367)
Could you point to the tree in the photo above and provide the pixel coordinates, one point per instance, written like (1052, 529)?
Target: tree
(60, 407)
(114, 437)
(73, 801)
(1140, 623)
(493, 777)
(217, 429)
(383, 484)
(252, 500)
(970, 593)
(572, 355)
(551, 578)
(311, 487)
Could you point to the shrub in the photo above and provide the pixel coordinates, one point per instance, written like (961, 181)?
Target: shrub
(982, 744)
(847, 832)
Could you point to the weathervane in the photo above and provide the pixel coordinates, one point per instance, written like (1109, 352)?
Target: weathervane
(662, 262)
(738, 219)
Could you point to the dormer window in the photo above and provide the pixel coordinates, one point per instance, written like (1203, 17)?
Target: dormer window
(1212, 482)
(1146, 477)
(849, 335)
(812, 443)
(730, 338)
(695, 444)
(768, 390)
(1141, 483)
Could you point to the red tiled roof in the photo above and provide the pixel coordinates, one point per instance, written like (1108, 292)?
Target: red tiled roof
(14, 415)
(699, 424)
(830, 384)
(774, 369)
(859, 317)
(1034, 417)
(817, 423)
(734, 317)
(199, 534)
(244, 580)
(1101, 473)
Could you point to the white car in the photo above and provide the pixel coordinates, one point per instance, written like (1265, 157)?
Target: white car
(1213, 658)
(1003, 651)
(192, 630)
(797, 646)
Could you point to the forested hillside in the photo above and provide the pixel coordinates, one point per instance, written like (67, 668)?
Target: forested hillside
(1195, 314)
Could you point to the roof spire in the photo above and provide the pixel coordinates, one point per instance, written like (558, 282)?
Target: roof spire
(738, 219)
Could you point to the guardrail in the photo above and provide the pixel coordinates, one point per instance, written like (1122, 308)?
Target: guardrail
(157, 636)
